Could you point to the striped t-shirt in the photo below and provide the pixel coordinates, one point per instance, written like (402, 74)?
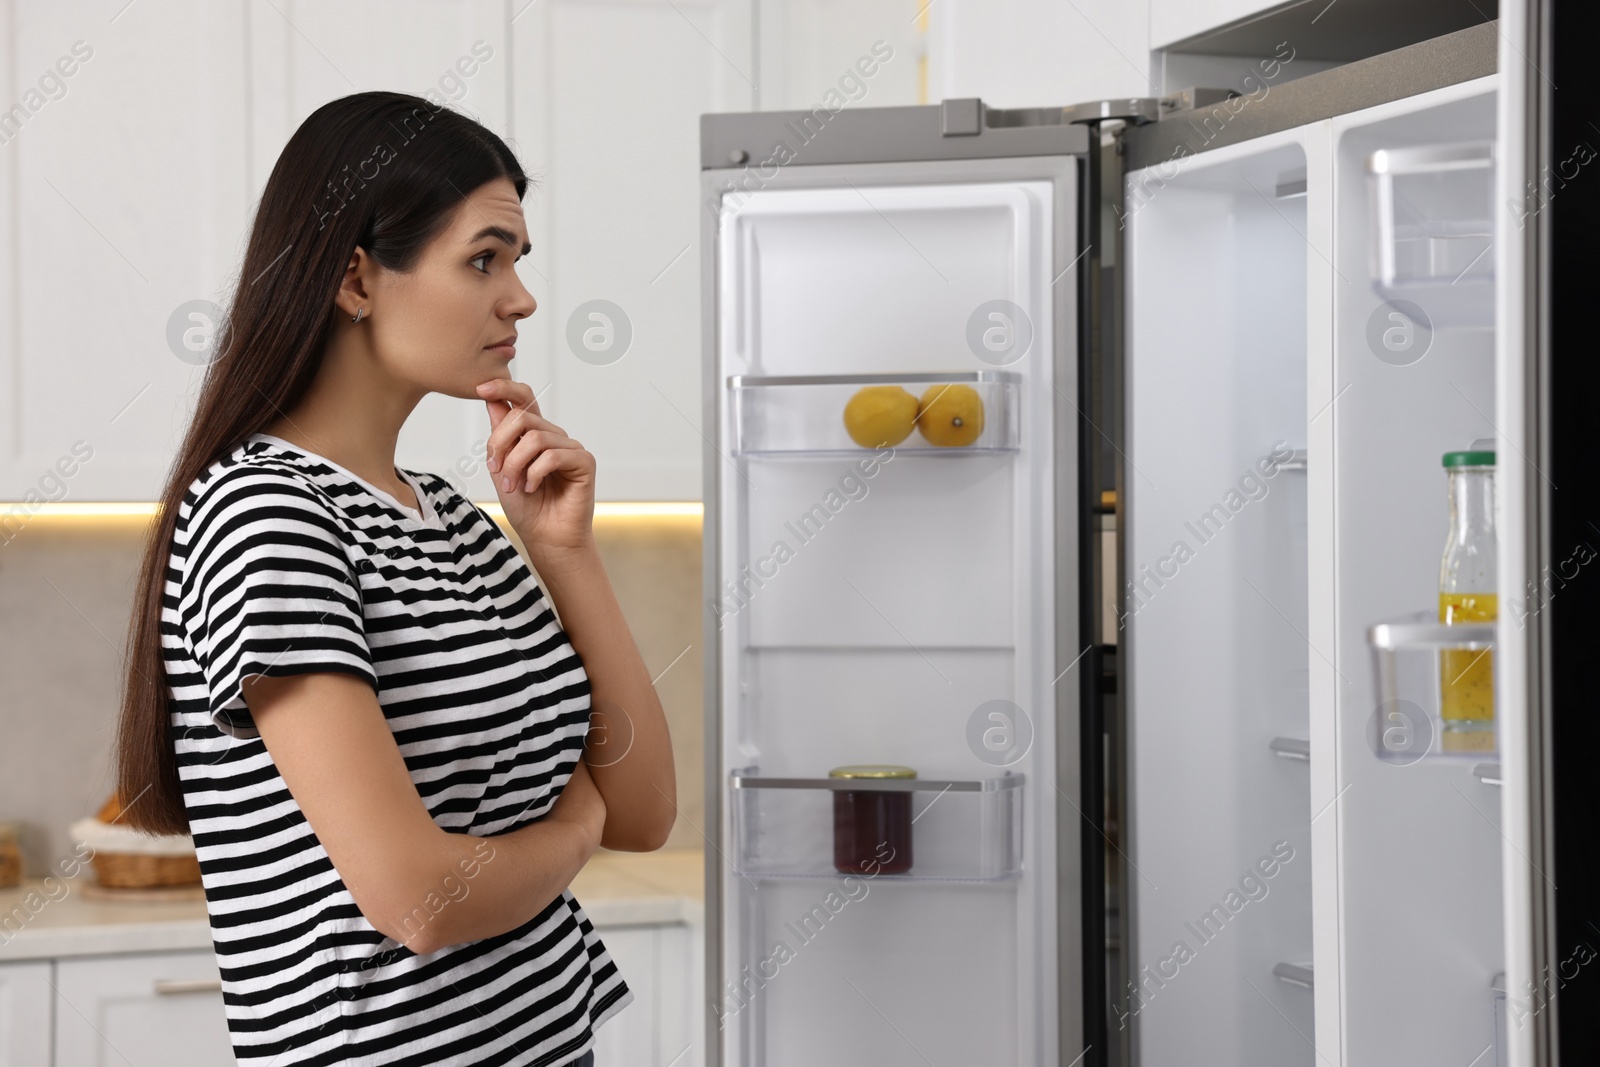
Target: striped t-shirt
(284, 563)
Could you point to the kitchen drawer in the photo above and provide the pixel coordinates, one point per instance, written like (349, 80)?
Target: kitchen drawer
(159, 1009)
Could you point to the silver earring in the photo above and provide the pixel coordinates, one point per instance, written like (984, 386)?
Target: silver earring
(357, 316)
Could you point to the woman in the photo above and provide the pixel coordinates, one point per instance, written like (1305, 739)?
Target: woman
(343, 680)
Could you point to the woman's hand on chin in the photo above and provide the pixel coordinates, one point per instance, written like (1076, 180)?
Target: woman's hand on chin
(545, 479)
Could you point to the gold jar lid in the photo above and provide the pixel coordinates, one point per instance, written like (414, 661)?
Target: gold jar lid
(872, 770)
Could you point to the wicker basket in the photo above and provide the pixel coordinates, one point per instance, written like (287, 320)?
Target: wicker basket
(10, 857)
(133, 870)
(124, 858)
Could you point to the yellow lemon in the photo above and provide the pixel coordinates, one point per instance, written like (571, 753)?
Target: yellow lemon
(950, 415)
(880, 415)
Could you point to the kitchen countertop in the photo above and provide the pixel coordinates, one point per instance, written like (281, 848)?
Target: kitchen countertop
(615, 889)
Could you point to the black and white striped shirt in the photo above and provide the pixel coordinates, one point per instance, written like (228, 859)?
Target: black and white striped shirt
(284, 563)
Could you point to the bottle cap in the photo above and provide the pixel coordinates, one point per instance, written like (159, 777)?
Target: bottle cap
(1469, 459)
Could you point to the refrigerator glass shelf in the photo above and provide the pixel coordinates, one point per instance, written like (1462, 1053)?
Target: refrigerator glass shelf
(1433, 230)
(961, 830)
(1420, 664)
(804, 415)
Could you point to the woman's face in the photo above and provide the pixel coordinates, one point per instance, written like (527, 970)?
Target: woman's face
(449, 324)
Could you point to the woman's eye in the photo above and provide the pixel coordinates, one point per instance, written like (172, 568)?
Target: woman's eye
(485, 256)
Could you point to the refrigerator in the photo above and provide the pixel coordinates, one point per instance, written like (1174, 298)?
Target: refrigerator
(1074, 514)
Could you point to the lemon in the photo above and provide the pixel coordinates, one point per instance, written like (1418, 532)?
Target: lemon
(880, 415)
(950, 415)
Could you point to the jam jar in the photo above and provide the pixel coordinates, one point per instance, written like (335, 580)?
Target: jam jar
(872, 827)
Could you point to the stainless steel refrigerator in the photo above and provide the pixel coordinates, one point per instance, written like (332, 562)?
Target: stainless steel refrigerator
(1074, 510)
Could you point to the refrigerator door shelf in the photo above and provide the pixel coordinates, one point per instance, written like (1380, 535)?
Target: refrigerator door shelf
(1433, 242)
(1413, 655)
(804, 416)
(880, 785)
(1423, 630)
(962, 831)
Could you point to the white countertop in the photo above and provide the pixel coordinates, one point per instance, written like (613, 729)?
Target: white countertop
(615, 889)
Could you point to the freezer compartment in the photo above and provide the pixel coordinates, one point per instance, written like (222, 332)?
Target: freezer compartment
(807, 415)
(1433, 230)
(958, 830)
(1435, 690)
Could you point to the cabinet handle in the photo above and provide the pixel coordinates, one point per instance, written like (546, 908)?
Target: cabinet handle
(167, 987)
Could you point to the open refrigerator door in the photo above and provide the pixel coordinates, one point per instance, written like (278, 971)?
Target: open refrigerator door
(1333, 762)
(890, 478)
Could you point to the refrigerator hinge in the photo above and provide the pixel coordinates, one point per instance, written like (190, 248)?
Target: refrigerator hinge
(1134, 110)
(969, 115)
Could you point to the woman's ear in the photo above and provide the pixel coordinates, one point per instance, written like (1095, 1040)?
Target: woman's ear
(354, 291)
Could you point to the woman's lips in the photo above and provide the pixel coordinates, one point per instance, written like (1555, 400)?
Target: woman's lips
(503, 351)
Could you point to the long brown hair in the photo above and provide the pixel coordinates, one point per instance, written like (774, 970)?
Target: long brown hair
(381, 170)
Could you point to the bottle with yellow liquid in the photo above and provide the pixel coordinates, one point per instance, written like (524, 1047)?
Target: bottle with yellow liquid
(1467, 595)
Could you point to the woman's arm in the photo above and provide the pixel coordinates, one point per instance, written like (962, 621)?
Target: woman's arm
(629, 752)
(545, 481)
(413, 881)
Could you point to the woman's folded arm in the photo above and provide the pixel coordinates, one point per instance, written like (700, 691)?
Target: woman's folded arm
(422, 885)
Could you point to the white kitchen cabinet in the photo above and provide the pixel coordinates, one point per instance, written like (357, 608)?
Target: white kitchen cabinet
(607, 106)
(124, 196)
(660, 1027)
(94, 398)
(1176, 20)
(131, 191)
(629, 1037)
(1029, 52)
(161, 1009)
(25, 1014)
(125, 1009)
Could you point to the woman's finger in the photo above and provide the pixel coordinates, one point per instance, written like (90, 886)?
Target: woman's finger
(501, 396)
(504, 437)
(527, 450)
(514, 393)
(556, 459)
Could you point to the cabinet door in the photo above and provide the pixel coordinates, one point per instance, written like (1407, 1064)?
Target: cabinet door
(122, 200)
(127, 1010)
(663, 1026)
(1176, 20)
(606, 105)
(679, 995)
(24, 1014)
(629, 1039)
